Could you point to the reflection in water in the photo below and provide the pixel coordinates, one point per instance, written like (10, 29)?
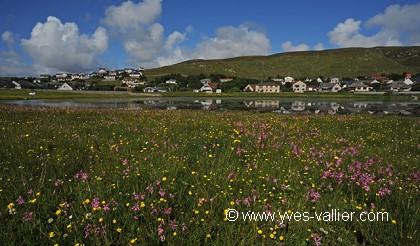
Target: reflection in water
(283, 106)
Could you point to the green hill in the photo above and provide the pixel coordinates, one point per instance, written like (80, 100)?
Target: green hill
(347, 62)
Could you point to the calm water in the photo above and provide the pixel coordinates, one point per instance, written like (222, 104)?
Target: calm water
(283, 105)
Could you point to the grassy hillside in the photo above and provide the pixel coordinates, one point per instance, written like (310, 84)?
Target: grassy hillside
(347, 62)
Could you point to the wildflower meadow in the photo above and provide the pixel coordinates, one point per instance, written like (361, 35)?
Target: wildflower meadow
(73, 176)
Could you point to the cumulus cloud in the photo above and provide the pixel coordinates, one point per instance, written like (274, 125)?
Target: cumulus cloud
(347, 34)
(55, 46)
(11, 65)
(400, 21)
(398, 25)
(129, 15)
(233, 41)
(288, 46)
(319, 46)
(135, 25)
(8, 38)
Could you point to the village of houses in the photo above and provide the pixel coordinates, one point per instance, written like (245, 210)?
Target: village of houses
(130, 79)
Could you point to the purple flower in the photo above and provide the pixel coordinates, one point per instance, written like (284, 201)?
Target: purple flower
(312, 196)
(173, 225)
(162, 192)
(95, 203)
(135, 207)
(20, 200)
(27, 216)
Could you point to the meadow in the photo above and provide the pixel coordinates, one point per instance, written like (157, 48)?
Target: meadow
(91, 176)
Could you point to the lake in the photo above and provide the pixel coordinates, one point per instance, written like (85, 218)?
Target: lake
(279, 105)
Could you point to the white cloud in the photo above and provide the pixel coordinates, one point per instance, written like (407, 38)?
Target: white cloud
(8, 38)
(398, 25)
(399, 21)
(288, 46)
(129, 15)
(231, 42)
(319, 46)
(55, 46)
(11, 65)
(134, 24)
(347, 34)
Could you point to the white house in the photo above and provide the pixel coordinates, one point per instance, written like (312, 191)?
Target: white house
(136, 75)
(171, 81)
(329, 87)
(299, 87)
(267, 88)
(128, 70)
(289, 79)
(65, 87)
(408, 81)
(17, 85)
(110, 77)
(250, 88)
(359, 87)
(335, 80)
(102, 71)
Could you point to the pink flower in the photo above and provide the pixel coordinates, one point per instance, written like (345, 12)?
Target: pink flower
(162, 192)
(27, 216)
(105, 207)
(95, 203)
(135, 207)
(20, 200)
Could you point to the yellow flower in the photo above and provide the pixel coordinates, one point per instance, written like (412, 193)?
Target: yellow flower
(259, 232)
(32, 201)
(394, 222)
(133, 241)
(52, 234)
(281, 238)
(86, 201)
(10, 206)
(174, 233)
(114, 221)
(164, 179)
(119, 230)
(232, 203)
(101, 220)
(208, 236)
(142, 205)
(58, 212)
(68, 226)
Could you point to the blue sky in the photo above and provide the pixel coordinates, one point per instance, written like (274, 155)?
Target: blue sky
(50, 36)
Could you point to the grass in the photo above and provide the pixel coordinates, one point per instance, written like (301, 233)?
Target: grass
(11, 94)
(104, 176)
(348, 62)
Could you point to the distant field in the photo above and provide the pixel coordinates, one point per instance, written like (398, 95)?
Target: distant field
(349, 62)
(11, 94)
(108, 177)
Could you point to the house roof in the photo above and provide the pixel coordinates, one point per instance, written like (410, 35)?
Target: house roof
(252, 86)
(327, 85)
(268, 83)
(357, 84)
